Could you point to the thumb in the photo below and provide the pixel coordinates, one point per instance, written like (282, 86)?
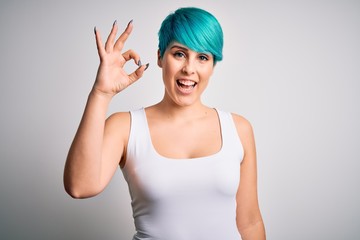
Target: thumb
(137, 74)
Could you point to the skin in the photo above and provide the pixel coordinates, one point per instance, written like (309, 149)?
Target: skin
(99, 144)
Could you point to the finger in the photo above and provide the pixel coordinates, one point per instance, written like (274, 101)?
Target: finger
(99, 44)
(131, 54)
(121, 40)
(111, 38)
(137, 74)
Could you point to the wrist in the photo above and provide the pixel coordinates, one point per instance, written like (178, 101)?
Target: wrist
(95, 93)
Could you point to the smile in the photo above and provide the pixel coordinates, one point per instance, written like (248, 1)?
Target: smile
(186, 84)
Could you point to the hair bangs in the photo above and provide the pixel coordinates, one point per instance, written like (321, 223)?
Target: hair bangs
(194, 28)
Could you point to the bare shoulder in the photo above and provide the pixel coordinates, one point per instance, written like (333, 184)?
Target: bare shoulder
(243, 125)
(245, 132)
(119, 117)
(118, 123)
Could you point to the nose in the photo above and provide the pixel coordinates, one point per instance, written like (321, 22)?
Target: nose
(189, 67)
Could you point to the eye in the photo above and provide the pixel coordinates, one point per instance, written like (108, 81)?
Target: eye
(203, 57)
(179, 54)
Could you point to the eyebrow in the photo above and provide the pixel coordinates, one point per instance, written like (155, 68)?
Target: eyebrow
(181, 47)
(187, 49)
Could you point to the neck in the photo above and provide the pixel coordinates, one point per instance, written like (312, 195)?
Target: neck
(173, 111)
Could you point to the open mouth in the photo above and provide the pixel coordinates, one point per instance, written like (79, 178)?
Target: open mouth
(186, 84)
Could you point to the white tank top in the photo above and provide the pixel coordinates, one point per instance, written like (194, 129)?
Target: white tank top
(183, 199)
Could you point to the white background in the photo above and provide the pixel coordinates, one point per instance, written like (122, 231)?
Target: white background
(290, 67)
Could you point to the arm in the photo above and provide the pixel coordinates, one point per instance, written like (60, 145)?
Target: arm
(248, 216)
(92, 158)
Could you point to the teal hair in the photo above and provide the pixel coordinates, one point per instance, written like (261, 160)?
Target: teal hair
(195, 28)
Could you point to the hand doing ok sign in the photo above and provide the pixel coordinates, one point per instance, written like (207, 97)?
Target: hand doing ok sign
(111, 77)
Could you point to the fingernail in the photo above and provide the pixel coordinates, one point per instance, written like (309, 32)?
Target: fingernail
(95, 30)
(139, 63)
(130, 22)
(115, 22)
(147, 65)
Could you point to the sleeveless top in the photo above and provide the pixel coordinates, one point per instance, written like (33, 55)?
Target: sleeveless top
(183, 199)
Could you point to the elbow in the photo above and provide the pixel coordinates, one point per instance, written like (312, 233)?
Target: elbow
(252, 229)
(249, 221)
(244, 226)
(78, 191)
(72, 191)
(75, 194)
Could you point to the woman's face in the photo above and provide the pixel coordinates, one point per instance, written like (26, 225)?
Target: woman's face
(185, 74)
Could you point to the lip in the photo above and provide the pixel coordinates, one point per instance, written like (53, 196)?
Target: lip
(186, 79)
(185, 86)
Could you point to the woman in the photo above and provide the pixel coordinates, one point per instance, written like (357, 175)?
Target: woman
(191, 169)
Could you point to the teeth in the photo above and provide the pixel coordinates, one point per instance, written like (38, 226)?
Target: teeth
(187, 82)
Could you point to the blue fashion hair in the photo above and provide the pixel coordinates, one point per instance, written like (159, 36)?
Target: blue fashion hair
(195, 28)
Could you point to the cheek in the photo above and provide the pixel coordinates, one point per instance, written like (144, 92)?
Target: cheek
(206, 72)
(167, 74)
(170, 70)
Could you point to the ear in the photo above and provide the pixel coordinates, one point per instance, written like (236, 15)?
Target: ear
(159, 63)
